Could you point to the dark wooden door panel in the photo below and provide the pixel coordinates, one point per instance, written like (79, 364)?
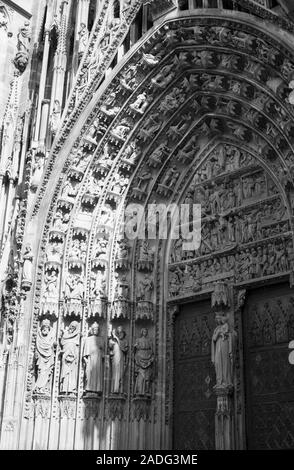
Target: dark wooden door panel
(268, 327)
(194, 400)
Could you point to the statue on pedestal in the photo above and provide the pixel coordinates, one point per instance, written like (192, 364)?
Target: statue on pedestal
(144, 358)
(93, 360)
(222, 351)
(118, 345)
(69, 363)
(44, 357)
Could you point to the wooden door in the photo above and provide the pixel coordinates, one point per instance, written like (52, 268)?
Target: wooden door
(194, 377)
(269, 378)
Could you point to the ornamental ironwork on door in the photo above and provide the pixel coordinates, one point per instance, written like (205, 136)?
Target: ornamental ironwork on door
(269, 326)
(194, 377)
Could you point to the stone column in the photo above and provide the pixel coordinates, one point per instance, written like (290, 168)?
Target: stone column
(8, 209)
(42, 82)
(2, 201)
(44, 125)
(222, 355)
(60, 65)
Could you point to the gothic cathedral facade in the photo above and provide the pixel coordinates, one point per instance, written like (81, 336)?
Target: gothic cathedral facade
(115, 342)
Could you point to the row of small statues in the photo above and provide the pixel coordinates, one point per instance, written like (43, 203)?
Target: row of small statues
(93, 355)
(238, 229)
(248, 264)
(75, 286)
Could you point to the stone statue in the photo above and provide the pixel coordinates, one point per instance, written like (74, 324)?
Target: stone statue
(23, 47)
(24, 38)
(140, 104)
(83, 37)
(144, 358)
(28, 263)
(44, 357)
(118, 345)
(145, 289)
(37, 170)
(99, 285)
(222, 351)
(51, 290)
(93, 360)
(70, 341)
(74, 287)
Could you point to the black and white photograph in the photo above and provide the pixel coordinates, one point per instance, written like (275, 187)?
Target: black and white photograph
(147, 228)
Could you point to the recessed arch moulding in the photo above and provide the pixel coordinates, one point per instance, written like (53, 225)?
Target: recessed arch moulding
(197, 112)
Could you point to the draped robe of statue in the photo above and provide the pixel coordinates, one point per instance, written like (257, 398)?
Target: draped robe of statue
(221, 353)
(69, 362)
(93, 353)
(144, 358)
(119, 348)
(27, 265)
(44, 360)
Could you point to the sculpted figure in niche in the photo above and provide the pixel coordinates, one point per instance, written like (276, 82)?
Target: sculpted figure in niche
(99, 289)
(101, 248)
(131, 153)
(83, 37)
(118, 346)
(170, 177)
(75, 251)
(129, 80)
(145, 251)
(51, 290)
(145, 289)
(54, 252)
(122, 130)
(37, 170)
(121, 288)
(24, 38)
(122, 250)
(69, 192)
(93, 354)
(44, 357)
(144, 358)
(164, 77)
(70, 341)
(143, 181)
(157, 155)
(141, 103)
(28, 263)
(222, 347)
(74, 288)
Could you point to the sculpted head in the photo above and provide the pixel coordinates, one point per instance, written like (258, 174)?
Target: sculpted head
(73, 327)
(144, 332)
(120, 332)
(45, 327)
(95, 329)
